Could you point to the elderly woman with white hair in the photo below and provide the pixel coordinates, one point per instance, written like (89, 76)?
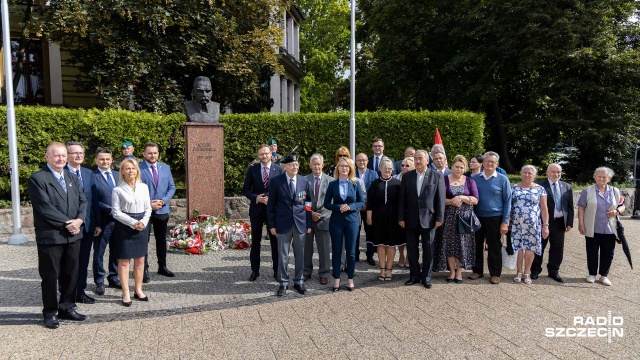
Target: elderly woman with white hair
(528, 206)
(598, 207)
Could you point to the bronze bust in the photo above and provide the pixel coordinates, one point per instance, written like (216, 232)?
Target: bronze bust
(201, 108)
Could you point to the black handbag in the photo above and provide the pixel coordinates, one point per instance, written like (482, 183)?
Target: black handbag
(467, 224)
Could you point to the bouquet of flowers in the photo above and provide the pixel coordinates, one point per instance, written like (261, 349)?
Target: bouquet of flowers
(204, 233)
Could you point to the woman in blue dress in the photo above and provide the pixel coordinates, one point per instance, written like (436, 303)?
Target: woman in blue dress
(528, 206)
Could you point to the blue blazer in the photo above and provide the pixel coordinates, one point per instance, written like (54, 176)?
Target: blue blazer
(368, 177)
(253, 186)
(333, 201)
(101, 193)
(87, 180)
(285, 211)
(166, 187)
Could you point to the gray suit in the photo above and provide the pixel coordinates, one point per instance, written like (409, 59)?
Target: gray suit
(320, 229)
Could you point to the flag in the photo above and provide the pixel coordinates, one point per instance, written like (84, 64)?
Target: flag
(438, 138)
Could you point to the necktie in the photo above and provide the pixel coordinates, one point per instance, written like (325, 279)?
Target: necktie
(292, 188)
(80, 179)
(556, 196)
(155, 175)
(265, 177)
(375, 163)
(62, 183)
(109, 179)
(316, 190)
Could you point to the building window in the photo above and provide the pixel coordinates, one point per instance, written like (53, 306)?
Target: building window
(30, 88)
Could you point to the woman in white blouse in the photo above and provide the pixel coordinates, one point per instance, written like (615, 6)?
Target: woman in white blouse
(131, 208)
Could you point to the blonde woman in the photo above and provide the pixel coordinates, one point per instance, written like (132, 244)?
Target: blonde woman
(131, 209)
(344, 198)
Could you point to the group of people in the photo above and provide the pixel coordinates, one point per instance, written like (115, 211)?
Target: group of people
(76, 209)
(424, 205)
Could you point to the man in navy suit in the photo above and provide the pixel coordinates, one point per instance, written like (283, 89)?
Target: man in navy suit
(256, 189)
(157, 176)
(367, 176)
(104, 180)
(440, 160)
(288, 219)
(377, 146)
(560, 206)
(75, 158)
(421, 212)
(59, 209)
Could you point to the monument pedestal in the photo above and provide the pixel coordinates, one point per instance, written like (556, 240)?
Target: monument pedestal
(204, 165)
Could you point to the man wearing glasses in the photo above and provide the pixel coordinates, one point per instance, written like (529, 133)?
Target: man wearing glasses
(367, 176)
(374, 160)
(75, 158)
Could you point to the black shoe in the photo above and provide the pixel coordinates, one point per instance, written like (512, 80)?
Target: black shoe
(145, 277)
(412, 281)
(370, 261)
(51, 322)
(335, 289)
(300, 288)
(458, 281)
(350, 288)
(163, 270)
(135, 296)
(254, 276)
(115, 284)
(282, 290)
(555, 277)
(450, 280)
(426, 283)
(71, 315)
(85, 299)
(534, 276)
(99, 289)
(126, 303)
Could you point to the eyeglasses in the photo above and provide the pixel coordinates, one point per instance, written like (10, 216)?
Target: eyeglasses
(406, 165)
(343, 155)
(377, 146)
(344, 166)
(77, 153)
(362, 160)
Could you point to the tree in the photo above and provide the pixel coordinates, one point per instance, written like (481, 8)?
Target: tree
(543, 71)
(149, 51)
(324, 43)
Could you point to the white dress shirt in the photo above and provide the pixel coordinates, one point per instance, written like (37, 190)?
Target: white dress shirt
(124, 199)
(420, 180)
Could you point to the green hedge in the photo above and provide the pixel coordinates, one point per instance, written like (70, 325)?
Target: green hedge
(324, 133)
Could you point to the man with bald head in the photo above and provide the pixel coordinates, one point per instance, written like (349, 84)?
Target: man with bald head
(59, 210)
(560, 206)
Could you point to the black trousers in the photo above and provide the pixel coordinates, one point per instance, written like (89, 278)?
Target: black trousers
(491, 232)
(367, 230)
(58, 262)
(257, 224)
(83, 263)
(556, 248)
(414, 237)
(159, 223)
(605, 244)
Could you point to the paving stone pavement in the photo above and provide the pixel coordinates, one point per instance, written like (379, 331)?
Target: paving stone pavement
(210, 311)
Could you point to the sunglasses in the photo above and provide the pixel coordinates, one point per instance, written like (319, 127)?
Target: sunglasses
(343, 155)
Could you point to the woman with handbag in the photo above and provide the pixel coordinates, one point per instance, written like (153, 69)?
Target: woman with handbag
(528, 205)
(598, 208)
(455, 250)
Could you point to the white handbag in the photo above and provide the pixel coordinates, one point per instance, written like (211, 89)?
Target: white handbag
(508, 261)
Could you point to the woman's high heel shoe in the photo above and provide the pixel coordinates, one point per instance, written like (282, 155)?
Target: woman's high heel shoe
(126, 303)
(527, 279)
(518, 278)
(136, 296)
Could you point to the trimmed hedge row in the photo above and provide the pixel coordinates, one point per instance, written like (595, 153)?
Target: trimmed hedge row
(37, 126)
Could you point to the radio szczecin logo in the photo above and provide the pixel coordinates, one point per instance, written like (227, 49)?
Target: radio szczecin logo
(590, 327)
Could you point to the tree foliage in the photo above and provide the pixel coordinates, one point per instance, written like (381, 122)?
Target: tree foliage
(544, 71)
(324, 43)
(149, 51)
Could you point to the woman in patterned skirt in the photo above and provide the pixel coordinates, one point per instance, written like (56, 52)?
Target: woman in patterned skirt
(456, 251)
(528, 205)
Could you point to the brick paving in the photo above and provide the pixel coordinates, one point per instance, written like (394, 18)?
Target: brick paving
(211, 311)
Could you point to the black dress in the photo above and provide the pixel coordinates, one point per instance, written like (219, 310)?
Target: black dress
(382, 200)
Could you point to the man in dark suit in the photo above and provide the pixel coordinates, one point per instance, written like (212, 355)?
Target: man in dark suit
(408, 152)
(256, 189)
(367, 176)
(157, 176)
(560, 206)
(288, 219)
(377, 145)
(440, 161)
(320, 217)
(84, 176)
(104, 180)
(59, 209)
(420, 212)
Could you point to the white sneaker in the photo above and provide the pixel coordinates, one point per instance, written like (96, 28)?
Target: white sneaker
(591, 279)
(605, 281)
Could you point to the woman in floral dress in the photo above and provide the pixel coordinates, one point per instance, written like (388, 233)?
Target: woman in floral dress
(452, 250)
(528, 205)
